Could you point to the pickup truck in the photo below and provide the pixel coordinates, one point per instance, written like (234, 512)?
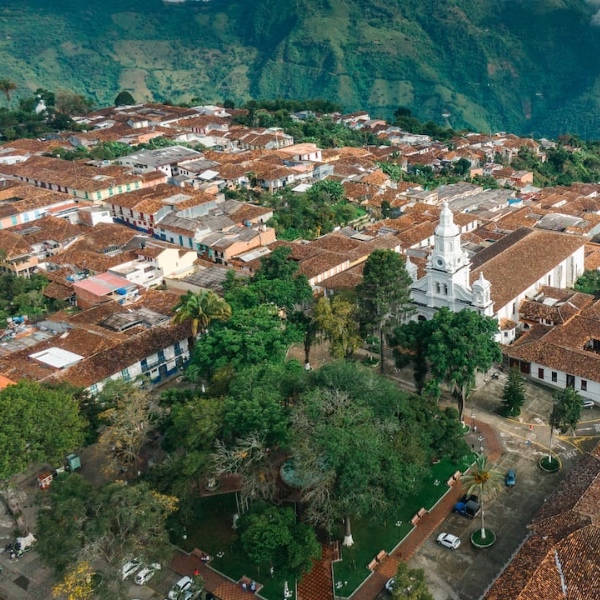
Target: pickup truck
(468, 506)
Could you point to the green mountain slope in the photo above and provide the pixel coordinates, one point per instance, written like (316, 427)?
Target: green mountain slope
(528, 66)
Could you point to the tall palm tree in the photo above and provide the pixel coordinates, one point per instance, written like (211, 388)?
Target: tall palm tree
(200, 310)
(7, 87)
(484, 480)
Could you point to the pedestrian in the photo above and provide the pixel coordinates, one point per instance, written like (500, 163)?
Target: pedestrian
(252, 586)
(244, 586)
(196, 572)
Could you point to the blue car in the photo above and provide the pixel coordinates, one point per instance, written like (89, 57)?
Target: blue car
(511, 478)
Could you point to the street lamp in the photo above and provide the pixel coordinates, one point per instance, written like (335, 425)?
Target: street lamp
(473, 421)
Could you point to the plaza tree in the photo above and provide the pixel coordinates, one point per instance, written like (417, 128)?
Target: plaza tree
(355, 447)
(484, 480)
(409, 584)
(200, 310)
(252, 336)
(130, 415)
(272, 537)
(105, 527)
(459, 345)
(513, 394)
(566, 412)
(337, 319)
(39, 424)
(384, 294)
(410, 342)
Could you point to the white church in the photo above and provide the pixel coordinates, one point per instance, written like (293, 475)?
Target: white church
(495, 280)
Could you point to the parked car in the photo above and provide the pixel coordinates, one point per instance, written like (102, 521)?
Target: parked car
(129, 568)
(144, 575)
(587, 403)
(448, 540)
(468, 506)
(511, 478)
(389, 585)
(183, 585)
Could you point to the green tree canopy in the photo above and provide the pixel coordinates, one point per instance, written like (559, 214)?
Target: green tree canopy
(513, 394)
(410, 584)
(460, 344)
(39, 424)
(272, 537)
(384, 294)
(201, 310)
(337, 319)
(251, 336)
(484, 480)
(107, 526)
(354, 445)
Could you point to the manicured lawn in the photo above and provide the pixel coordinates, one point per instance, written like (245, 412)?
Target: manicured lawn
(212, 532)
(370, 537)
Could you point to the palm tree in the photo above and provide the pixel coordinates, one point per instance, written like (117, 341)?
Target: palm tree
(483, 479)
(7, 87)
(200, 310)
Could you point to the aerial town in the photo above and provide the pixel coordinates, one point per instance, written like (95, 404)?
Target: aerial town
(202, 300)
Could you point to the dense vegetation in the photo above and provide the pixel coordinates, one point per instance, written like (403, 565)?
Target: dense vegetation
(524, 66)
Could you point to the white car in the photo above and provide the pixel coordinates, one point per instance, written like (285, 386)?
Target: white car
(145, 575)
(183, 585)
(129, 568)
(389, 585)
(448, 540)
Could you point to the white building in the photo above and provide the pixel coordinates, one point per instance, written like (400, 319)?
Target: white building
(495, 280)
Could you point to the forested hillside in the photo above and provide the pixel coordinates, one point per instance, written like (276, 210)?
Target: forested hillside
(527, 66)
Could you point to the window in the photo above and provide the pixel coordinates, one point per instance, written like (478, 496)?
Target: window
(125, 375)
(540, 373)
(144, 364)
(437, 287)
(98, 195)
(161, 356)
(583, 385)
(94, 388)
(554, 376)
(177, 346)
(446, 289)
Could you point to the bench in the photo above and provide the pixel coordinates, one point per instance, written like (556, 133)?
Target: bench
(457, 475)
(381, 555)
(371, 566)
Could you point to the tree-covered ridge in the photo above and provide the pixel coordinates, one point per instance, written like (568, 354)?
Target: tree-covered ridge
(526, 66)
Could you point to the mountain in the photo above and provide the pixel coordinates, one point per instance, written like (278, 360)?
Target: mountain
(526, 66)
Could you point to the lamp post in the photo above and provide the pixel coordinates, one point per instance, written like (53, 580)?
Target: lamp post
(473, 421)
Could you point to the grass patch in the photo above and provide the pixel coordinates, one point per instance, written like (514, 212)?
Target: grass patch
(212, 532)
(479, 541)
(550, 465)
(370, 536)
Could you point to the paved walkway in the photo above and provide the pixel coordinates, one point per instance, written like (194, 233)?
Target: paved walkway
(318, 585)
(214, 582)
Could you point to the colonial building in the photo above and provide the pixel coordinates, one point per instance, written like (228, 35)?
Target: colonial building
(495, 280)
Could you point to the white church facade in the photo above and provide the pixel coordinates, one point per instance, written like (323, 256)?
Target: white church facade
(495, 280)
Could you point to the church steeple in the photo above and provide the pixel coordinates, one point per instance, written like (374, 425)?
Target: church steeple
(448, 255)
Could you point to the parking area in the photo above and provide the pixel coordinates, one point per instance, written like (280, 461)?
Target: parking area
(466, 573)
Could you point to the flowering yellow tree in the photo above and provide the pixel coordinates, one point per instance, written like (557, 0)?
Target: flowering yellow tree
(77, 583)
